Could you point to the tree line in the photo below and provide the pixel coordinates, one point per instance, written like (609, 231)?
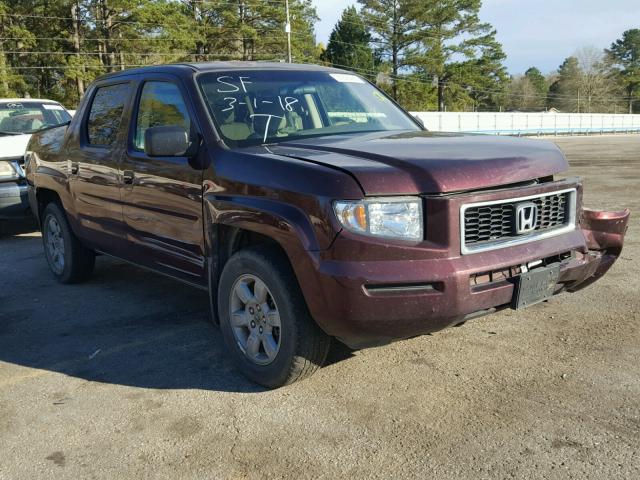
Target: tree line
(54, 48)
(427, 54)
(439, 55)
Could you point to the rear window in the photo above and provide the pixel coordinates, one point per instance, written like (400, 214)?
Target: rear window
(105, 115)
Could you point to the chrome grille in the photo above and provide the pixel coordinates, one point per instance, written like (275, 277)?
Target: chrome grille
(552, 211)
(493, 223)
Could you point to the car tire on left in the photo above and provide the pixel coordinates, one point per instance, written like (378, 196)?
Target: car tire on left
(68, 259)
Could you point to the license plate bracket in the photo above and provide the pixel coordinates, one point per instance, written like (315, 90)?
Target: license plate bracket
(535, 286)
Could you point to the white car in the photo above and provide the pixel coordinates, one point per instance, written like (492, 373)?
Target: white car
(19, 118)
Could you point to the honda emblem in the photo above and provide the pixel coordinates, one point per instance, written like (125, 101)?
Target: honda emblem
(526, 217)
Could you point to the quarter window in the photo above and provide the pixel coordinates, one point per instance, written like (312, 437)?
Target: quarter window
(106, 114)
(161, 104)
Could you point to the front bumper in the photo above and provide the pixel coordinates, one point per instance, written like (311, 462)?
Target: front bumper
(371, 301)
(14, 201)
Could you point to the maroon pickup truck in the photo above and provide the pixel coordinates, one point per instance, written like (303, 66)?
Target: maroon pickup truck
(310, 207)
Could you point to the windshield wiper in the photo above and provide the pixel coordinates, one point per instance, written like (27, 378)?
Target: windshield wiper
(2, 132)
(49, 127)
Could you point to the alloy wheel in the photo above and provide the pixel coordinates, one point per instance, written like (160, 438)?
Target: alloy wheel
(54, 242)
(255, 319)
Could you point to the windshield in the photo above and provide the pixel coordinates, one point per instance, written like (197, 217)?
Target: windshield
(29, 117)
(270, 106)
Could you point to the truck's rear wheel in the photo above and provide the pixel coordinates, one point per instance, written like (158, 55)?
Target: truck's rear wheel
(68, 259)
(265, 321)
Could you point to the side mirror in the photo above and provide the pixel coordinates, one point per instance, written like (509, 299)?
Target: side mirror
(166, 141)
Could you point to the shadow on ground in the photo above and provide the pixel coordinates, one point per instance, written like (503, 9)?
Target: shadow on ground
(14, 228)
(125, 326)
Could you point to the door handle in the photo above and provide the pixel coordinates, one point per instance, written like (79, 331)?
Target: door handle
(75, 167)
(127, 177)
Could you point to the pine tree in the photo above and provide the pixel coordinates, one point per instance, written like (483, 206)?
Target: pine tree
(455, 43)
(393, 27)
(625, 56)
(538, 82)
(349, 44)
(565, 91)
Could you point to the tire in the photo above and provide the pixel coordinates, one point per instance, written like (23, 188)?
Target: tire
(286, 353)
(69, 260)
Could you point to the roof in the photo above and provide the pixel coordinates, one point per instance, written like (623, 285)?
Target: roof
(219, 66)
(213, 66)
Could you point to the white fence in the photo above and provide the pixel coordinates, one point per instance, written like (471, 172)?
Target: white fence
(529, 123)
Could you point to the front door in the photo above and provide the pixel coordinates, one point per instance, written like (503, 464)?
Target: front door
(162, 196)
(95, 150)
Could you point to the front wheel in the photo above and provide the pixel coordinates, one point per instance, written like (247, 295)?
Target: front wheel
(265, 321)
(68, 259)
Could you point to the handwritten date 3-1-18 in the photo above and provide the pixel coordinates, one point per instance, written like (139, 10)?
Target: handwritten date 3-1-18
(239, 85)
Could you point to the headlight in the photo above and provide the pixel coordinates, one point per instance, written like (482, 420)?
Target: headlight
(8, 171)
(391, 217)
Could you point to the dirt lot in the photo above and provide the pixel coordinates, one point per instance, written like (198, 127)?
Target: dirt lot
(123, 377)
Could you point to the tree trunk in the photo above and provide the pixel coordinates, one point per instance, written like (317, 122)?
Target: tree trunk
(394, 52)
(108, 36)
(102, 44)
(4, 77)
(197, 19)
(76, 46)
(3, 71)
(121, 53)
(395, 73)
(243, 45)
(441, 105)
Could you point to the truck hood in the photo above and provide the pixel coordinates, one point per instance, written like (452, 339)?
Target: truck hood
(13, 146)
(426, 162)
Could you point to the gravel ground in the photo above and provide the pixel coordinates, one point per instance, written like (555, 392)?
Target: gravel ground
(123, 377)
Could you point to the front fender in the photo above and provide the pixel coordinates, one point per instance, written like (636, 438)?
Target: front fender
(286, 224)
(289, 226)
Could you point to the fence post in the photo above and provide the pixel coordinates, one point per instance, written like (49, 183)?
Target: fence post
(580, 126)
(541, 123)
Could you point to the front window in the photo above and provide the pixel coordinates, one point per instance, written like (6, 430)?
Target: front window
(24, 117)
(260, 107)
(161, 104)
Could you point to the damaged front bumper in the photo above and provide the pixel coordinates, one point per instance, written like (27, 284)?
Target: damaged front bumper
(371, 302)
(604, 234)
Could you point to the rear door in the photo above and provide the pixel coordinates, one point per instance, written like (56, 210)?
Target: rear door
(93, 165)
(162, 196)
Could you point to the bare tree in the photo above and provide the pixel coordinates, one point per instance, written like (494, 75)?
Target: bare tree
(523, 95)
(596, 85)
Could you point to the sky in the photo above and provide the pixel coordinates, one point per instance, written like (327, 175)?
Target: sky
(540, 33)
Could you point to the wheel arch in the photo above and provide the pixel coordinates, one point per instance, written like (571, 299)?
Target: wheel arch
(232, 225)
